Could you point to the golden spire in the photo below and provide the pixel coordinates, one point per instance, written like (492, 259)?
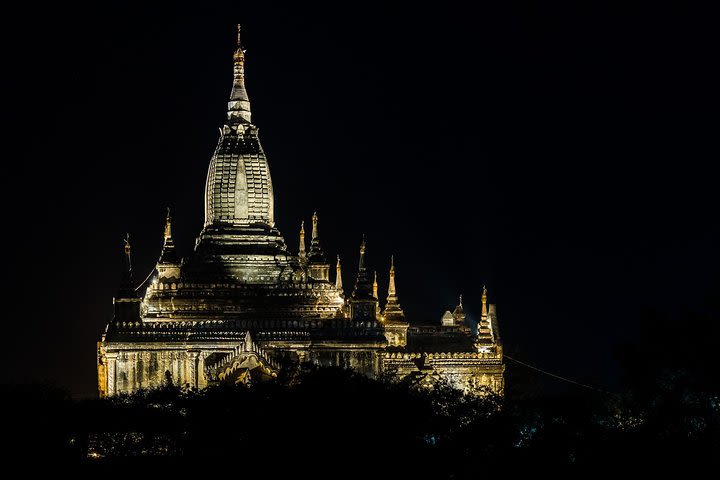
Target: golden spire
(239, 104)
(316, 255)
(315, 226)
(127, 251)
(168, 225)
(392, 311)
(461, 305)
(362, 253)
(302, 239)
(239, 55)
(391, 286)
(484, 332)
(375, 286)
(338, 277)
(484, 302)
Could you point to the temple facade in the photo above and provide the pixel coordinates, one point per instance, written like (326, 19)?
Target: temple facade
(242, 306)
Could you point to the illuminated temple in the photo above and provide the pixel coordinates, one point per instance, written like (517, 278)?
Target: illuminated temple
(243, 306)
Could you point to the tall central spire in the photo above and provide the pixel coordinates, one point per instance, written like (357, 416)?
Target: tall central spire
(239, 192)
(239, 104)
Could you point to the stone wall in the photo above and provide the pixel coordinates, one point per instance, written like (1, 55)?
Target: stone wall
(129, 370)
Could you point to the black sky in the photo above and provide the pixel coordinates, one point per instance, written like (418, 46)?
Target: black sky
(561, 154)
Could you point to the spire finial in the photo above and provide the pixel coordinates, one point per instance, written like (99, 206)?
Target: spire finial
(168, 255)
(391, 285)
(364, 301)
(168, 225)
(315, 226)
(301, 251)
(392, 311)
(362, 253)
(315, 254)
(484, 311)
(338, 278)
(239, 104)
(375, 286)
(127, 281)
(461, 301)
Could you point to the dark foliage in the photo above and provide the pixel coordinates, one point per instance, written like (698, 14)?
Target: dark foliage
(332, 422)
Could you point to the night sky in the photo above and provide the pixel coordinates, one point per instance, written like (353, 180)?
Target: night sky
(560, 154)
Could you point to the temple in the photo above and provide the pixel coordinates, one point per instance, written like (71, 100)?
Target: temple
(241, 307)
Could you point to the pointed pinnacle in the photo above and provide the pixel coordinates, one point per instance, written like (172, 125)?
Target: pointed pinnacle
(315, 226)
(168, 224)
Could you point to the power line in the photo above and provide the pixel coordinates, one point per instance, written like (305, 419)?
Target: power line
(558, 376)
(146, 279)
